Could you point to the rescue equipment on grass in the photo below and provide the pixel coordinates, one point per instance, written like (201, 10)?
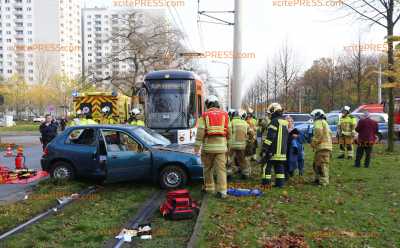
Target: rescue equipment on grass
(20, 159)
(179, 205)
(244, 192)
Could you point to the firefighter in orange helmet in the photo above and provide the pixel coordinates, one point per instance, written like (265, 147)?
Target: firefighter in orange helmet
(212, 137)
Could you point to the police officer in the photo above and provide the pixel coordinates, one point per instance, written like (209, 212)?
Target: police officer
(274, 147)
(212, 137)
(48, 130)
(239, 132)
(322, 145)
(134, 119)
(346, 132)
(107, 118)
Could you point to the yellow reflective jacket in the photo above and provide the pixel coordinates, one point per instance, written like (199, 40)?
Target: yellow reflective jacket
(347, 125)
(210, 144)
(239, 133)
(322, 139)
(137, 123)
(109, 121)
(275, 144)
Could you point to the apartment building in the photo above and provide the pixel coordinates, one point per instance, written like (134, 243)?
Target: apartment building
(99, 45)
(40, 38)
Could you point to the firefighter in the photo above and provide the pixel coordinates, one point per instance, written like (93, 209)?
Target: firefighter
(264, 123)
(88, 117)
(251, 149)
(239, 132)
(346, 132)
(274, 147)
(107, 118)
(134, 118)
(78, 119)
(322, 145)
(212, 137)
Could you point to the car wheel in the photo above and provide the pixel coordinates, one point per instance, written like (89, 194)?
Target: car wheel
(172, 177)
(380, 137)
(62, 171)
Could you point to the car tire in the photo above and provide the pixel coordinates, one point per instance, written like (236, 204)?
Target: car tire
(62, 171)
(172, 177)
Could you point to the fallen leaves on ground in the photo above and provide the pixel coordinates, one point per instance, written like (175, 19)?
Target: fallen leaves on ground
(290, 240)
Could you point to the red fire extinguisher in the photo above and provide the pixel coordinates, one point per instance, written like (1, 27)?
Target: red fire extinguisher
(20, 159)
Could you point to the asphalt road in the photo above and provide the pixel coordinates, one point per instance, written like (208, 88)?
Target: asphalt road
(33, 153)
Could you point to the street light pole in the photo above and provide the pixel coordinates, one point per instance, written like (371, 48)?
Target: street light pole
(237, 48)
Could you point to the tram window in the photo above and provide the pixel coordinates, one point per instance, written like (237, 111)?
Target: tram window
(192, 105)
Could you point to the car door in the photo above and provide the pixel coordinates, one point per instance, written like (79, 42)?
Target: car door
(81, 148)
(126, 158)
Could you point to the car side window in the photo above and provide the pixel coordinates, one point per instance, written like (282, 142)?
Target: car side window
(82, 136)
(377, 118)
(117, 141)
(333, 120)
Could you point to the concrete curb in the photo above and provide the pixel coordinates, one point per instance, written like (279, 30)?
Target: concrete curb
(199, 224)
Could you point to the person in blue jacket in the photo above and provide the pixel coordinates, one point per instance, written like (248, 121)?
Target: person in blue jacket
(295, 152)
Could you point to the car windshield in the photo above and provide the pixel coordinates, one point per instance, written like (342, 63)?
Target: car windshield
(151, 137)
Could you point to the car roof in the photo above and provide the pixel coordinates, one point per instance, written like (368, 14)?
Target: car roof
(120, 126)
(295, 113)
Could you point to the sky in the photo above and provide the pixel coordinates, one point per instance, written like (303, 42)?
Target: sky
(310, 32)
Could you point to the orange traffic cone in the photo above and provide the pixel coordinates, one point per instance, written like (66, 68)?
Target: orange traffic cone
(9, 152)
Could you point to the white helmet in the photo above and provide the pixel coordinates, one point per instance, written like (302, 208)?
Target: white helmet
(212, 98)
(346, 108)
(79, 112)
(106, 109)
(274, 107)
(135, 111)
(317, 113)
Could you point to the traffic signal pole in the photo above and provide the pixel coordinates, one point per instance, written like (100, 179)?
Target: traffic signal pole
(237, 63)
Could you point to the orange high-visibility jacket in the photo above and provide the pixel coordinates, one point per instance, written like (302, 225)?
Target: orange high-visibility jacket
(216, 122)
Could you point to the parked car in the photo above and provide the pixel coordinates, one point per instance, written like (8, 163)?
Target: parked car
(382, 119)
(120, 153)
(39, 119)
(333, 120)
(299, 118)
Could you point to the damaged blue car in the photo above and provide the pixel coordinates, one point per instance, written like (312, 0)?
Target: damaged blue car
(113, 153)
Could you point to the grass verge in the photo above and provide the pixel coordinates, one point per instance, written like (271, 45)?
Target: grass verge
(92, 221)
(360, 208)
(22, 126)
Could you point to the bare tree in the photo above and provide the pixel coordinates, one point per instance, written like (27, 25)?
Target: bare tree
(145, 45)
(288, 69)
(386, 14)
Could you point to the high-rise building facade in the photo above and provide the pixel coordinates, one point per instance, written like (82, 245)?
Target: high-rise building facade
(99, 24)
(40, 38)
